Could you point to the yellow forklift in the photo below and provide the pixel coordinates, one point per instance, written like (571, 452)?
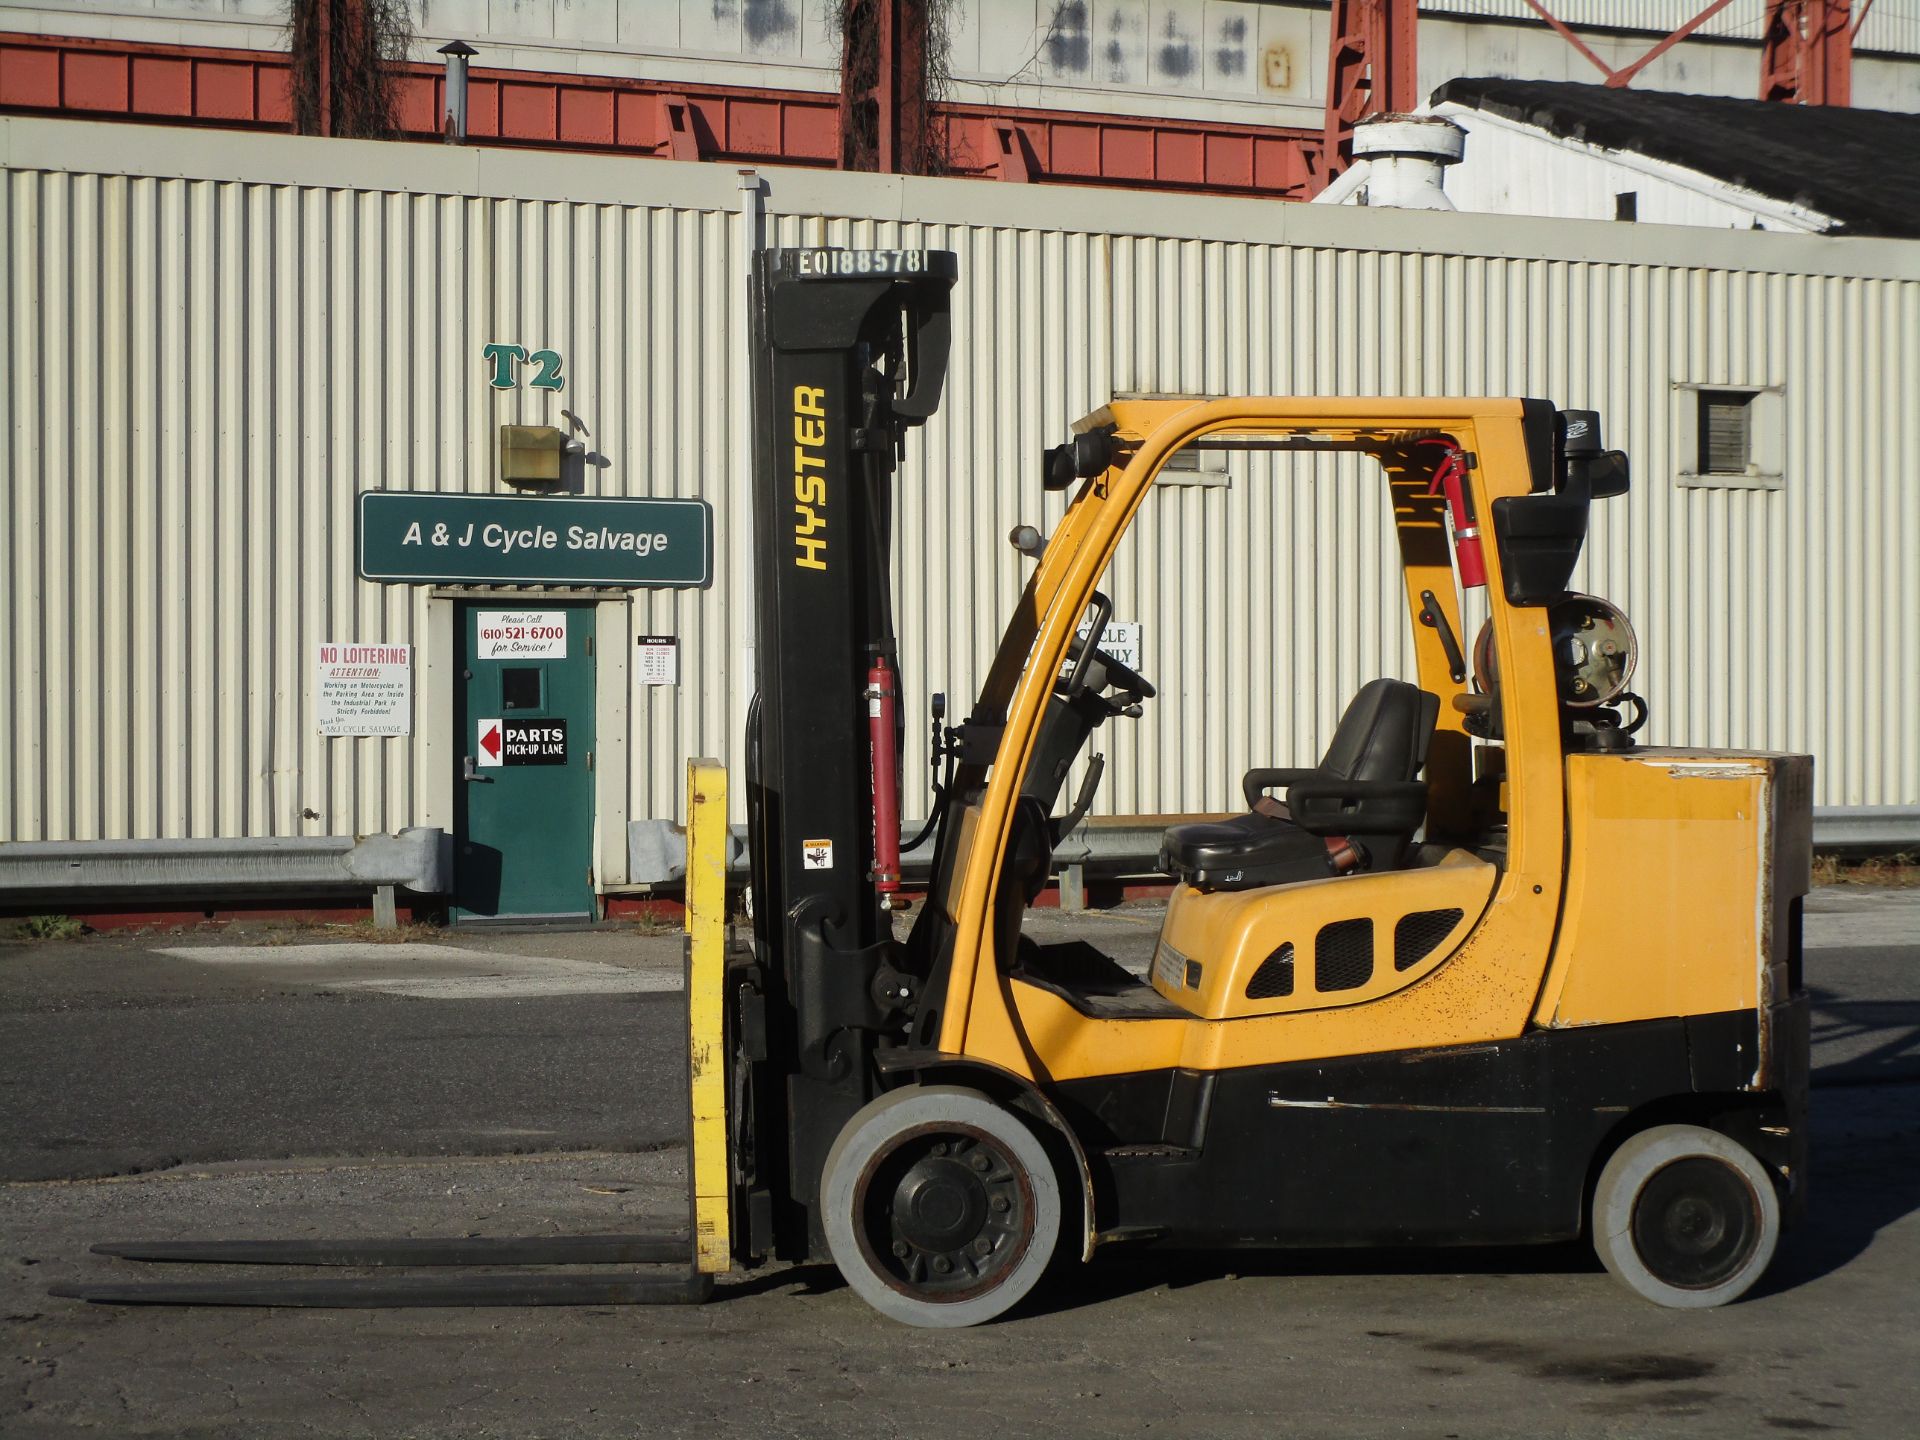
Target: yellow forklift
(1488, 972)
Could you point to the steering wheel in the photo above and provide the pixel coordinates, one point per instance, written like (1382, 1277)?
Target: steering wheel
(1120, 677)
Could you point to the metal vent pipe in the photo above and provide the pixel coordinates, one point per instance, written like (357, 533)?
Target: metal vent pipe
(453, 120)
(1406, 158)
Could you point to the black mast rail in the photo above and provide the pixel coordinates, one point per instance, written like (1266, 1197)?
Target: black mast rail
(850, 352)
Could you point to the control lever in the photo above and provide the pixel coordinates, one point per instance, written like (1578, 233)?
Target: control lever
(1082, 802)
(1434, 618)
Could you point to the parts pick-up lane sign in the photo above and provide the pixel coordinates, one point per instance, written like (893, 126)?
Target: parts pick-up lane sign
(522, 742)
(533, 742)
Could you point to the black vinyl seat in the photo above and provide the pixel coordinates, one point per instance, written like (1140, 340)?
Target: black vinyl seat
(1356, 810)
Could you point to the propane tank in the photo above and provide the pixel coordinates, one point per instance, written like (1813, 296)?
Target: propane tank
(883, 761)
(1594, 650)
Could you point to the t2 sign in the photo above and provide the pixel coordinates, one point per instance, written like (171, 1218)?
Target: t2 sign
(504, 361)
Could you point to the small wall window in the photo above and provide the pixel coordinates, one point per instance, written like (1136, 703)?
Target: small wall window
(1731, 436)
(1188, 466)
(520, 687)
(1726, 432)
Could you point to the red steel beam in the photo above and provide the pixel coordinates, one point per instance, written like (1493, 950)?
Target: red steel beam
(883, 86)
(248, 89)
(101, 78)
(1806, 52)
(1625, 74)
(1053, 146)
(1559, 28)
(1372, 68)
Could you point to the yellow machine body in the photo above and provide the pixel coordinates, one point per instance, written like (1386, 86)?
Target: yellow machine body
(1632, 886)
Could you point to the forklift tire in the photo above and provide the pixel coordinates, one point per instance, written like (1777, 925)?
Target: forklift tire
(942, 1208)
(1685, 1216)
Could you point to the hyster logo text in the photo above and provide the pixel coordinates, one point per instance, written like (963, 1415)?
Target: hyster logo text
(809, 477)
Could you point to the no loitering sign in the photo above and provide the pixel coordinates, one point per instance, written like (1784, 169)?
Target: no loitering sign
(363, 689)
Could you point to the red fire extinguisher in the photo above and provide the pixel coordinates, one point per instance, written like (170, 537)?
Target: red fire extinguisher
(1450, 478)
(883, 759)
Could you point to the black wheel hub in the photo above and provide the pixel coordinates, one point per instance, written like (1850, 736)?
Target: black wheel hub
(945, 1213)
(1695, 1223)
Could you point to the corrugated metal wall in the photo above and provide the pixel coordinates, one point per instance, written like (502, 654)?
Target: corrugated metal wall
(204, 371)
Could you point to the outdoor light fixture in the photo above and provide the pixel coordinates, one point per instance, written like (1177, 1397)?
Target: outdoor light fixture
(531, 455)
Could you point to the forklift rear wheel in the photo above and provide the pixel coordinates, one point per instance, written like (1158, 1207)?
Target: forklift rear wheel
(1685, 1216)
(941, 1207)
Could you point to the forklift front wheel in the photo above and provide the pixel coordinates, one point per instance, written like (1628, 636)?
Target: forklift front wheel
(942, 1208)
(1685, 1216)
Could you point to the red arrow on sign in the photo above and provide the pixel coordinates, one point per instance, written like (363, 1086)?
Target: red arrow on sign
(490, 740)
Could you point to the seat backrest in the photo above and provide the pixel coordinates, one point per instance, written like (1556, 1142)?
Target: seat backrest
(1384, 734)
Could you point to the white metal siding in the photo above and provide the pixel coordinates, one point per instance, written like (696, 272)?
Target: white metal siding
(204, 371)
(1511, 168)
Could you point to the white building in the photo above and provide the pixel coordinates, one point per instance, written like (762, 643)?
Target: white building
(217, 347)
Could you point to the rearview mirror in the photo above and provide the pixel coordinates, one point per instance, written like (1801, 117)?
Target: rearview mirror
(1607, 474)
(1585, 468)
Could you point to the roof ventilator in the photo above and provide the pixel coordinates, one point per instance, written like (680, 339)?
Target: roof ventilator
(1400, 161)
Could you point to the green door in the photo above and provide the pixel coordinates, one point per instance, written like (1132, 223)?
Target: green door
(523, 847)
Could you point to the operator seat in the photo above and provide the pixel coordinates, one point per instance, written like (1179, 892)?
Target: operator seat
(1356, 810)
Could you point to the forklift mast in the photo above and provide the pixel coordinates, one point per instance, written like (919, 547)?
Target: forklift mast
(849, 351)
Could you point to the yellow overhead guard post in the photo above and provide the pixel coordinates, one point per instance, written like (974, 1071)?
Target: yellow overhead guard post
(706, 896)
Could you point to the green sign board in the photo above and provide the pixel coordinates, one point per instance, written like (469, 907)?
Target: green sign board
(423, 537)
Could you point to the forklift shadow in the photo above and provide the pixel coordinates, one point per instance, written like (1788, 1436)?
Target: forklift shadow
(1123, 1272)
(1881, 1039)
(1864, 1133)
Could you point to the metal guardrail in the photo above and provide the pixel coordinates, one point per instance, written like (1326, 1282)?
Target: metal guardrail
(1119, 845)
(1866, 829)
(657, 850)
(419, 859)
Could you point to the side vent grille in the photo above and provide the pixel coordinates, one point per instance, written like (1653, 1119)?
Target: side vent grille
(1343, 956)
(1274, 978)
(1415, 937)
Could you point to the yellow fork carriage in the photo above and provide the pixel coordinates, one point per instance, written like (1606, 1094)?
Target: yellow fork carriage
(1487, 971)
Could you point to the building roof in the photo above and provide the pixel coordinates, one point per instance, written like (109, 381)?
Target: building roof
(1862, 167)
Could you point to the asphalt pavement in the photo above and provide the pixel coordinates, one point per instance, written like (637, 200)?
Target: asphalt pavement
(500, 1083)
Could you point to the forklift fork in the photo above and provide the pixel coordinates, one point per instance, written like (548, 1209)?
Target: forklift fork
(686, 1261)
